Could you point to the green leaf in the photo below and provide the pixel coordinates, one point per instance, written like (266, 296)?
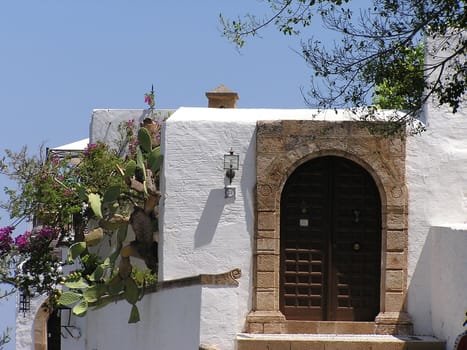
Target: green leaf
(93, 293)
(79, 284)
(134, 315)
(115, 285)
(69, 298)
(95, 202)
(102, 303)
(131, 291)
(82, 195)
(130, 168)
(115, 253)
(75, 250)
(111, 194)
(155, 159)
(81, 308)
(144, 140)
(97, 273)
(94, 237)
(122, 232)
(140, 159)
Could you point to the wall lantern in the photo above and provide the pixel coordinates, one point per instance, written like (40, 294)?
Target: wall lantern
(231, 162)
(24, 302)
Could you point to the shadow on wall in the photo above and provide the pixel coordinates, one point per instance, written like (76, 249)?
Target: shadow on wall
(448, 284)
(249, 166)
(437, 292)
(419, 290)
(210, 217)
(170, 319)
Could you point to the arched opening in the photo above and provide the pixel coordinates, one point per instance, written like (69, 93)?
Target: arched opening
(330, 242)
(47, 328)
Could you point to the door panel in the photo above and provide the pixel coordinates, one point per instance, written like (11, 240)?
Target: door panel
(330, 242)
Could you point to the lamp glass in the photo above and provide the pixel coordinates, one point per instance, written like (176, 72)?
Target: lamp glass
(231, 161)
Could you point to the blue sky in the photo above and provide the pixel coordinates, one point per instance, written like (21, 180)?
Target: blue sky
(60, 59)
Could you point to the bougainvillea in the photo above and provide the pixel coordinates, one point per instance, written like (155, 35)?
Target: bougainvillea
(6, 240)
(31, 265)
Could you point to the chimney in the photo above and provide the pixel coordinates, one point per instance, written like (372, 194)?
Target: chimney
(222, 97)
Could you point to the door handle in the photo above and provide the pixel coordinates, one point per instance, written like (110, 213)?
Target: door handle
(356, 246)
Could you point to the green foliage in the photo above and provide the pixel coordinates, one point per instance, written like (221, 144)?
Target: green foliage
(377, 52)
(155, 160)
(69, 298)
(87, 200)
(400, 86)
(144, 139)
(134, 315)
(95, 203)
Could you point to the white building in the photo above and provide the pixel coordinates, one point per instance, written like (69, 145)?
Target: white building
(344, 239)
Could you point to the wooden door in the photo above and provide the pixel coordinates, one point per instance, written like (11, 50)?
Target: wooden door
(330, 242)
(54, 338)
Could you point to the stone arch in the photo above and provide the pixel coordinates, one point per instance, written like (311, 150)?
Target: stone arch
(281, 147)
(40, 327)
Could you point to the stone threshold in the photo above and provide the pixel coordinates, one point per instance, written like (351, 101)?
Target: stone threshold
(329, 327)
(340, 337)
(246, 341)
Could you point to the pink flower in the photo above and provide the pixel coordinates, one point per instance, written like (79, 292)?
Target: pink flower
(5, 239)
(149, 99)
(22, 242)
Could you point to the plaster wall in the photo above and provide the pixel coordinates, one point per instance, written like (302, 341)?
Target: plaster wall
(437, 181)
(25, 324)
(449, 292)
(201, 231)
(169, 320)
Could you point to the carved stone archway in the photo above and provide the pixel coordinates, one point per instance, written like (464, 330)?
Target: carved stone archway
(281, 147)
(40, 327)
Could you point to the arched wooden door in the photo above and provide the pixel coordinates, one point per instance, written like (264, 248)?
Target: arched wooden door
(330, 242)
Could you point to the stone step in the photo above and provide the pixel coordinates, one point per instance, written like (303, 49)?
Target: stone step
(247, 341)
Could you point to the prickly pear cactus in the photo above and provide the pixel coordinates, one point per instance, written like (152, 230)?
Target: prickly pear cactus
(111, 211)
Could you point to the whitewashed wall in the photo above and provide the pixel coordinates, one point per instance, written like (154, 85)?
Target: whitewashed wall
(201, 232)
(169, 320)
(437, 181)
(25, 324)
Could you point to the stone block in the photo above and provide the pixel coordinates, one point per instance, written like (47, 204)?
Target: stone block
(256, 328)
(267, 262)
(396, 221)
(266, 220)
(394, 301)
(309, 345)
(396, 260)
(274, 328)
(267, 244)
(265, 279)
(270, 145)
(266, 300)
(394, 280)
(266, 235)
(269, 128)
(396, 240)
(266, 197)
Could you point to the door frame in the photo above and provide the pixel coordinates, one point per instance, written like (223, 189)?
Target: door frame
(282, 146)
